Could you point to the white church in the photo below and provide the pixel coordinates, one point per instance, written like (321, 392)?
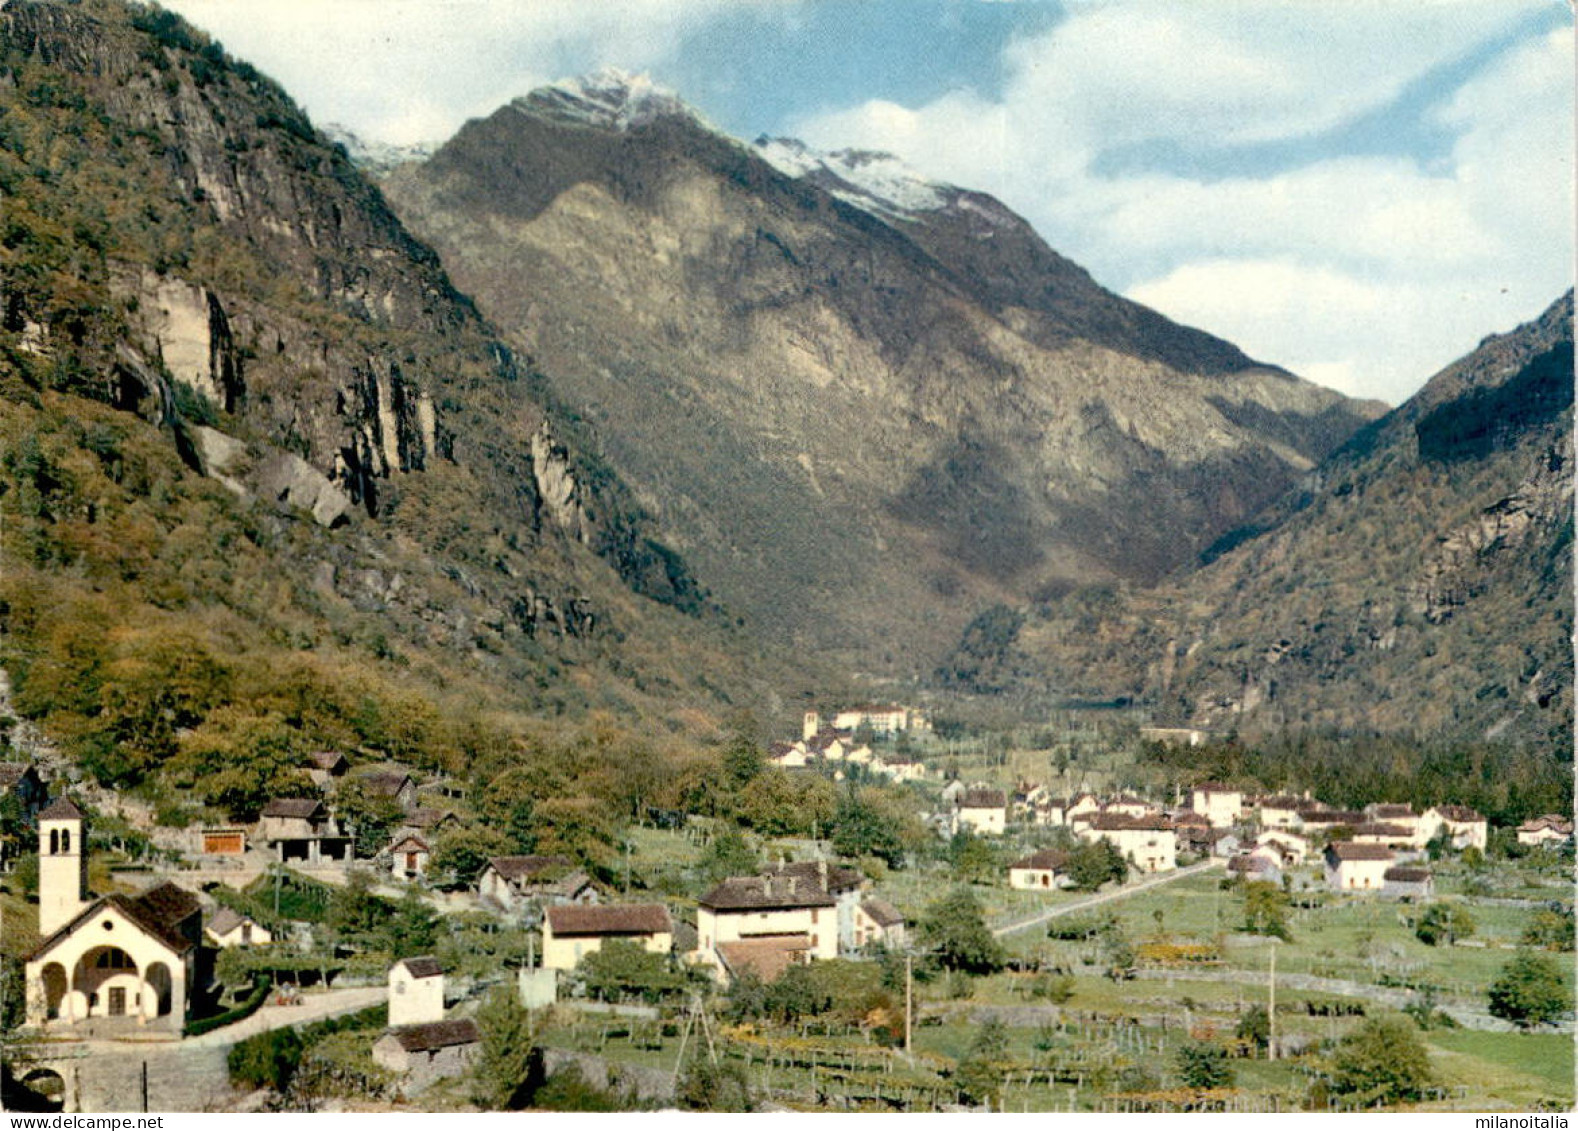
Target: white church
(119, 956)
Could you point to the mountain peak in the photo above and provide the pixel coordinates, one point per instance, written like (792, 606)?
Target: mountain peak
(610, 98)
(881, 183)
(874, 181)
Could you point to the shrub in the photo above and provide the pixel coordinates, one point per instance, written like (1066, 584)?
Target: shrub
(1444, 921)
(267, 1060)
(1530, 991)
(1382, 1062)
(1203, 1065)
(247, 1008)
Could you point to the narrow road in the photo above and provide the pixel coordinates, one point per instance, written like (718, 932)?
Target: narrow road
(313, 1007)
(1106, 897)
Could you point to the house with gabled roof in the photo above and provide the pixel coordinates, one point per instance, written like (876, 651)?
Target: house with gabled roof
(878, 921)
(1279, 811)
(513, 882)
(422, 1054)
(1292, 847)
(119, 956)
(1149, 843)
(1043, 870)
(1255, 866)
(325, 767)
(1222, 805)
(570, 933)
(1322, 820)
(1398, 837)
(1357, 867)
(408, 857)
(1463, 826)
(982, 811)
(416, 991)
(1546, 831)
(229, 928)
(301, 830)
(1402, 815)
(1403, 882)
(746, 908)
(389, 782)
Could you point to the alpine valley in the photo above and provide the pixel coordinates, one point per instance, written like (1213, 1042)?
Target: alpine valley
(762, 624)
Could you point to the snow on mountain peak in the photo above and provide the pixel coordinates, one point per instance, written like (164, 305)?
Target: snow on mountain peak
(611, 98)
(873, 181)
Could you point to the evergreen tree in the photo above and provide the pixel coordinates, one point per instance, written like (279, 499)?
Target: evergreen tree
(501, 1077)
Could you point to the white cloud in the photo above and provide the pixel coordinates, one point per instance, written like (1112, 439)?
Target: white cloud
(414, 70)
(1365, 272)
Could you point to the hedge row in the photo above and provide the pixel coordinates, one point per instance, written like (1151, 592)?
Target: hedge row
(246, 1009)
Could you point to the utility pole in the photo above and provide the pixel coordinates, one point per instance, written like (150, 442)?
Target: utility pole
(909, 1000)
(1271, 1011)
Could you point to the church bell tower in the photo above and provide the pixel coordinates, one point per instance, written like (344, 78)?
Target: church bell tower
(62, 865)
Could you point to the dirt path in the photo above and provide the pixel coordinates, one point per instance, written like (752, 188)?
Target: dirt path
(1106, 897)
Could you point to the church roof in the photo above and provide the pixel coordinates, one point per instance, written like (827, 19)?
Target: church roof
(158, 912)
(61, 809)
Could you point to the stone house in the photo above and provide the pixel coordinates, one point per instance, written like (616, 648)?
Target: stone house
(1291, 846)
(325, 767)
(1127, 805)
(1547, 831)
(1408, 883)
(803, 916)
(425, 1053)
(1320, 820)
(1279, 812)
(1402, 816)
(408, 857)
(1398, 837)
(570, 933)
(392, 783)
(300, 830)
(1255, 866)
(514, 882)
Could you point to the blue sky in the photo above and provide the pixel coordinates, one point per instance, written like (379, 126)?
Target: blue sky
(1358, 190)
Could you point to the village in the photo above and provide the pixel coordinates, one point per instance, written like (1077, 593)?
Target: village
(1093, 934)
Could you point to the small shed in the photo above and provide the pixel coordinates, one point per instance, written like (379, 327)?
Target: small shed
(428, 1052)
(1408, 883)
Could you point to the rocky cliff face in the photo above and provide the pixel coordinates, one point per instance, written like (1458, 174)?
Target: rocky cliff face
(1419, 580)
(866, 406)
(182, 246)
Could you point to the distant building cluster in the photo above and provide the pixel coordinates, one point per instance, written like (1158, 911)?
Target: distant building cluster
(834, 746)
